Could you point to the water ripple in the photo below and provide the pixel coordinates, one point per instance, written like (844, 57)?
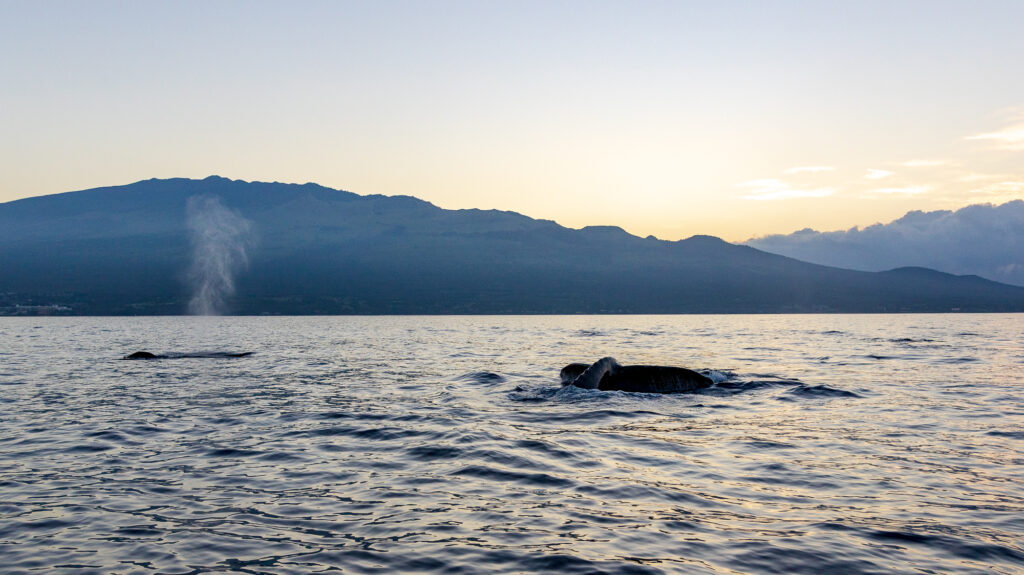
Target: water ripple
(843, 444)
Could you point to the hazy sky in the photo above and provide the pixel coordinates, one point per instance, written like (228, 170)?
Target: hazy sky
(667, 118)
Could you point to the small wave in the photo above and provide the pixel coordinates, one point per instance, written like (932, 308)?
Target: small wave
(1010, 434)
(648, 492)
(463, 354)
(491, 473)
(88, 448)
(594, 416)
(378, 433)
(534, 393)
(764, 444)
(952, 545)
(50, 524)
(139, 531)
(571, 394)
(717, 376)
(209, 355)
(385, 433)
(820, 391)
(740, 386)
(561, 563)
(545, 448)
(434, 452)
(109, 435)
(231, 452)
(602, 414)
(281, 456)
(143, 429)
(589, 333)
(482, 377)
(329, 415)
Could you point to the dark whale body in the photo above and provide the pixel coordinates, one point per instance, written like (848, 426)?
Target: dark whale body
(200, 354)
(641, 378)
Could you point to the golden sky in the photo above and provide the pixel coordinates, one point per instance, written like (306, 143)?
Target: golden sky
(734, 119)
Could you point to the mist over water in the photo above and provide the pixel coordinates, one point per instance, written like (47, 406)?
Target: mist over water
(220, 237)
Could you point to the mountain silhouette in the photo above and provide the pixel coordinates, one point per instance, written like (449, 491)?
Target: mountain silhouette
(315, 250)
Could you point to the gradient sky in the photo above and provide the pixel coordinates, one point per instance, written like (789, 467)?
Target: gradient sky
(668, 118)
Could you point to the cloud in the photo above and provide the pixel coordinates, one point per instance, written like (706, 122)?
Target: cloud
(1000, 191)
(791, 193)
(906, 190)
(771, 183)
(923, 163)
(874, 174)
(973, 177)
(774, 189)
(1009, 138)
(981, 239)
(1008, 186)
(809, 169)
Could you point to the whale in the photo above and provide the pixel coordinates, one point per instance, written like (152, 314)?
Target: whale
(198, 354)
(607, 375)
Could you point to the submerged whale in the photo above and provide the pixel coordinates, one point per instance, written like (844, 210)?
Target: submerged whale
(607, 375)
(198, 354)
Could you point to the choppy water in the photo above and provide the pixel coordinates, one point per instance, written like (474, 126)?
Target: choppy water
(832, 444)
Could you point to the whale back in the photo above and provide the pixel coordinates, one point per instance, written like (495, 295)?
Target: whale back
(643, 378)
(655, 379)
(188, 355)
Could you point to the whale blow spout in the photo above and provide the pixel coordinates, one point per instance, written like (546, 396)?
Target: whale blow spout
(220, 238)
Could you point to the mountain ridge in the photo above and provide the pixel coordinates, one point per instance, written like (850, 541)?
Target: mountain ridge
(315, 250)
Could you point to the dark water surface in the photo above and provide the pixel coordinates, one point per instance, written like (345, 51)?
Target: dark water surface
(831, 444)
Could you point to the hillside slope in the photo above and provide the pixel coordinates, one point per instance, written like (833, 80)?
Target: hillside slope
(311, 249)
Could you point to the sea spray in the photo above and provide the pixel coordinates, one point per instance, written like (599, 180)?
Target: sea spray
(220, 237)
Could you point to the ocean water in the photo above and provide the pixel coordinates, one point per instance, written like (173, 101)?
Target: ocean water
(831, 444)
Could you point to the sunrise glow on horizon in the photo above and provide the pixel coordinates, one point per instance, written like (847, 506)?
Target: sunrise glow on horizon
(735, 119)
